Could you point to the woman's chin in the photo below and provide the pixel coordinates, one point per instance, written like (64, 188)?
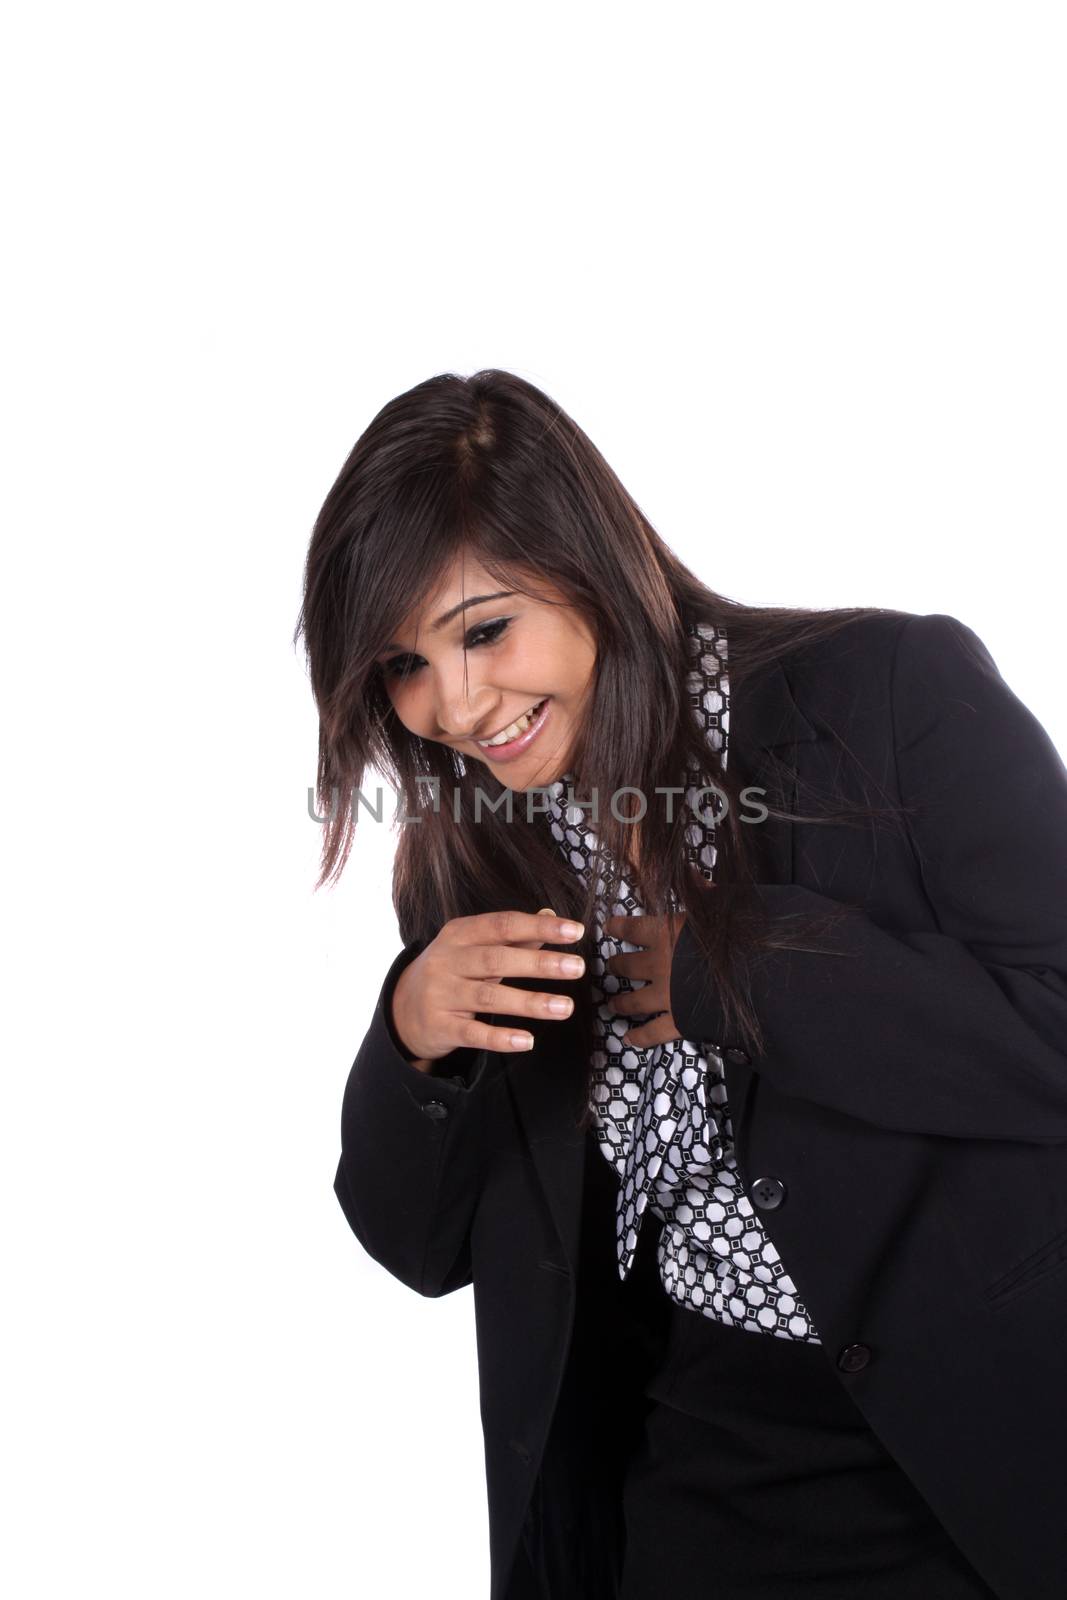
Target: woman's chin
(536, 771)
(520, 778)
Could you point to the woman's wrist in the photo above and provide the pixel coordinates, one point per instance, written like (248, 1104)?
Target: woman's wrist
(420, 1063)
(423, 1063)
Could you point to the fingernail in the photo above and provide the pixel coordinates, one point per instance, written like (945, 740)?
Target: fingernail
(560, 1005)
(573, 966)
(522, 1041)
(571, 930)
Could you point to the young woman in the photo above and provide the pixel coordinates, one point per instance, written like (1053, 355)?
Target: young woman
(764, 1200)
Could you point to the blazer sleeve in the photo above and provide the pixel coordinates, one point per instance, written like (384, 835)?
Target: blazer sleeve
(961, 1031)
(411, 1152)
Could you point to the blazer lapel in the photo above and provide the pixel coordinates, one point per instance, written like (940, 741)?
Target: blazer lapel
(766, 726)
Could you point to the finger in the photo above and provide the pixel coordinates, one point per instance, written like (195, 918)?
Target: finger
(630, 964)
(496, 962)
(514, 927)
(642, 926)
(660, 1030)
(485, 995)
(535, 944)
(475, 1035)
(638, 1002)
(631, 930)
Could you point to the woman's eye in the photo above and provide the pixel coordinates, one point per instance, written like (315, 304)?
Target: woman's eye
(484, 633)
(397, 667)
(487, 632)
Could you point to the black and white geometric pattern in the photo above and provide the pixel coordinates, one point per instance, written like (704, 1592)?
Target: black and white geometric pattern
(662, 1120)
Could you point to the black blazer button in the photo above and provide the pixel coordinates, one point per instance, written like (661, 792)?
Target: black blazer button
(854, 1357)
(768, 1193)
(736, 1057)
(435, 1108)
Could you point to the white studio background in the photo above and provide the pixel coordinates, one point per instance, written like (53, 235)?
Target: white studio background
(797, 270)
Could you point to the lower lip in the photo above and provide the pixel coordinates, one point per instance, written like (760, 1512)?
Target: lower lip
(517, 747)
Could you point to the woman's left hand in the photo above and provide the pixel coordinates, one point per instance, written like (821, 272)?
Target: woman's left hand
(658, 937)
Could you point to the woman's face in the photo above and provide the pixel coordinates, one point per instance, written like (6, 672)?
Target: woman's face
(519, 653)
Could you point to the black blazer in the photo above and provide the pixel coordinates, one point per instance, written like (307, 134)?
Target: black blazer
(911, 1103)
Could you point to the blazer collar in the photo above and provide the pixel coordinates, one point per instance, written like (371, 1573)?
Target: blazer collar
(764, 714)
(767, 730)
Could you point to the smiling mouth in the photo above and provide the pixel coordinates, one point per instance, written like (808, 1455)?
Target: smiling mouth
(514, 749)
(527, 720)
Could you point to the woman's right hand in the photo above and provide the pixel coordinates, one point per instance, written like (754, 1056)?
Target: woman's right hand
(462, 971)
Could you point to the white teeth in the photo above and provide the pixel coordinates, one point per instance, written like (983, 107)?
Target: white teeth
(512, 730)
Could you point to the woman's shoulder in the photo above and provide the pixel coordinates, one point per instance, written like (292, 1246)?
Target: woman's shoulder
(875, 642)
(839, 663)
(886, 664)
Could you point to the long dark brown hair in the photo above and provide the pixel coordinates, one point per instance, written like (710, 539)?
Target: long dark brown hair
(491, 466)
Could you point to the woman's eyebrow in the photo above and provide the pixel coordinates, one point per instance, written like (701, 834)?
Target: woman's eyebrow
(446, 616)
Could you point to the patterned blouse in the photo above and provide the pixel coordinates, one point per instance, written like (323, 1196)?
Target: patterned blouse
(662, 1120)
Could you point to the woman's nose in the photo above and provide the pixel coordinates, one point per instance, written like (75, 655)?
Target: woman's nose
(462, 712)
